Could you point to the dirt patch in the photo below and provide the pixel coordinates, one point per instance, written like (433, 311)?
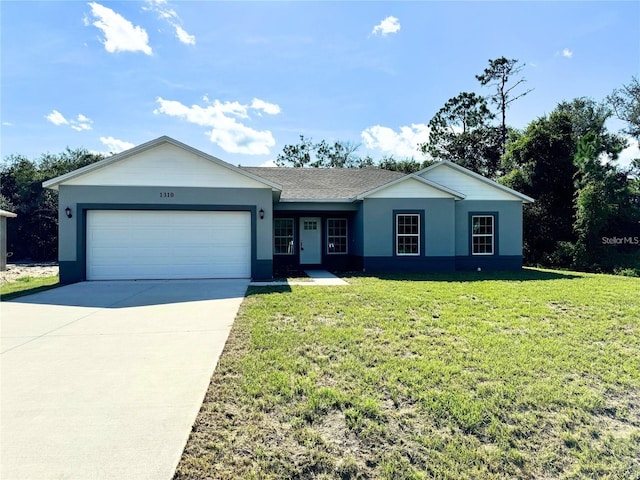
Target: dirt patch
(18, 270)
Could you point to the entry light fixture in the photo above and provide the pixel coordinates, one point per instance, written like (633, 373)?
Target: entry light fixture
(68, 212)
(261, 212)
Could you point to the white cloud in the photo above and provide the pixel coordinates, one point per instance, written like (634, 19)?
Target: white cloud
(184, 37)
(7, 124)
(268, 163)
(57, 118)
(566, 53)
(630, 153)
(116, 146)
(120, 34)
(402, 144)
(171, 16)
(226, 131)
(266, 107)
(80, 124)
(386, 26)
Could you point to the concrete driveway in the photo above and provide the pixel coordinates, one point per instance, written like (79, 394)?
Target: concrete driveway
(105, 379)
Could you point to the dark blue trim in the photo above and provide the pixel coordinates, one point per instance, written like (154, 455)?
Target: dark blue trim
(78, 272)
(263, 270)
(71, 271)
(423, 245)
(489, 262)
(496, 251)
(409, 264)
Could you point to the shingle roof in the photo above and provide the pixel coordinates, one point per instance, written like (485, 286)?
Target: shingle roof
(324, 183)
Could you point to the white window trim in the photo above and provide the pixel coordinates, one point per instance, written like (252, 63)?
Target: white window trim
(408, 235)
(492, 235)
(293, 236)
(346, 236)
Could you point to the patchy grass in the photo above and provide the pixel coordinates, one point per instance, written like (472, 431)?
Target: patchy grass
(463, 376)
(26, 286)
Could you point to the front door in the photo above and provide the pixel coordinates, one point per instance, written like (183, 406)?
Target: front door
(310, 241)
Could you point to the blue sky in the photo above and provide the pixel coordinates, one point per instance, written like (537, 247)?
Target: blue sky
(239, 80)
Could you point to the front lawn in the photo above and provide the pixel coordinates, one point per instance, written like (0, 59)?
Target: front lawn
(462, 376)
(26, 286)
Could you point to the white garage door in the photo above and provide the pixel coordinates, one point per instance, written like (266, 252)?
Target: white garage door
(125, 244)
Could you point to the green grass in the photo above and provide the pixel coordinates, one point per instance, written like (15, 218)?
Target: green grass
(26, 286)
(464, 376)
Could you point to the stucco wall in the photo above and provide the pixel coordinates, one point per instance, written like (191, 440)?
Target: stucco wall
(509, 220)
(378, 225)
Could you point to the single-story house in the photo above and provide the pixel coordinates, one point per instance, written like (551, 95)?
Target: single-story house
(4, 214)
(166, 210)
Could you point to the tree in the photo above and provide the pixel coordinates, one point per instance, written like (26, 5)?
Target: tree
(408, 165)
(566, 163)
(498, 74)
(296, 155)
(460, 132)
(540, 164)
(589, 116)
(34, 234)
(604, 206)
(339, 155)
(626, 106)
(322, 154)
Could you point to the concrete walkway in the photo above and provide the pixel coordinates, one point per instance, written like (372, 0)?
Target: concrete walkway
(103, 380)
(317, 278)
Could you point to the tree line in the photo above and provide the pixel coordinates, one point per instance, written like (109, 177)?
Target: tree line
(565, 160)
(33, 234)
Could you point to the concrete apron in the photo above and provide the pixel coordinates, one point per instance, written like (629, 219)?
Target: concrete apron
(105, 379)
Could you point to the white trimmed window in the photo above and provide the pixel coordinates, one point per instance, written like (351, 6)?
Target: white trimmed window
(407, 234)
(337, 235)
(482, 234)
(283, 236)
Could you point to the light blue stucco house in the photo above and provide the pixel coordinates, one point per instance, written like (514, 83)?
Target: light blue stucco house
(166, 210)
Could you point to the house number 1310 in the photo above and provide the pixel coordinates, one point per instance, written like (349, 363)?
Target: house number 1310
(166, 194)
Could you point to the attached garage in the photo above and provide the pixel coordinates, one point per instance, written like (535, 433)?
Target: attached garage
(160, 244)
(164, 210)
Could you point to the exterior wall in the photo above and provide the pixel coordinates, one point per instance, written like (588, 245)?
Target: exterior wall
(437, 240)
(72, 231)
(3, 243)
(508, 240)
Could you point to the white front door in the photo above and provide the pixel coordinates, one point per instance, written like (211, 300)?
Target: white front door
(310, 241)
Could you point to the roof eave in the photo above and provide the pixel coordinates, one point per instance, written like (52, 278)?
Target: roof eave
(316, 200)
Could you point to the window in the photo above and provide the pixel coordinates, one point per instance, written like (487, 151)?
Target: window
(408, 234)
(337, 235)
(310, 225)
(283, 236)
(482, 232)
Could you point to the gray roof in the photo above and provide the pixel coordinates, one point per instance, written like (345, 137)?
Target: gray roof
(329, 184)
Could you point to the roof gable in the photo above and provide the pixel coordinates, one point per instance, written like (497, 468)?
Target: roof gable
(162, 162)
(411, 186)
(472, 185)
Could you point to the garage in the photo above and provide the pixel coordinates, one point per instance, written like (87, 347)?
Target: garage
(167, 244)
